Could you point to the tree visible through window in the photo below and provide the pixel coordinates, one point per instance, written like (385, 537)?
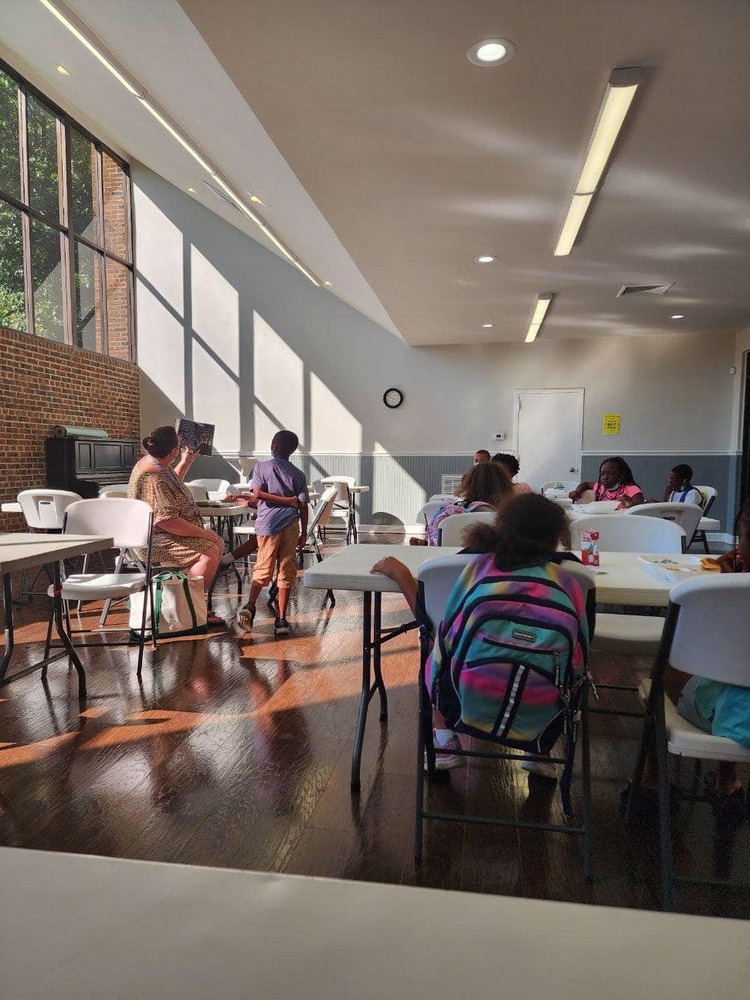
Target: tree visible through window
(65, 238)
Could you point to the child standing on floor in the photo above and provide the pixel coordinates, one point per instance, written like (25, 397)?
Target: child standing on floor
(280, 528)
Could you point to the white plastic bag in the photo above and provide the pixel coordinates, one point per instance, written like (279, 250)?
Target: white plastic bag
(179, 605)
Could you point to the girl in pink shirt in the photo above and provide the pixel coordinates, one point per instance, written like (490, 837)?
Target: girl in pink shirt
(615, 482)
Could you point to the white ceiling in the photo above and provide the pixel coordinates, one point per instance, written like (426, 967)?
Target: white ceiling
(396, 160)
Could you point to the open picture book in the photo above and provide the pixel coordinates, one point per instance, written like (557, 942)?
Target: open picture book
(195, 436)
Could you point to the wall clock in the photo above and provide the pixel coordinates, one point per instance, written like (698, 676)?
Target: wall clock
(393, 398)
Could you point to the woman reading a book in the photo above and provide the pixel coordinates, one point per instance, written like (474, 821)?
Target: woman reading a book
(179, 536)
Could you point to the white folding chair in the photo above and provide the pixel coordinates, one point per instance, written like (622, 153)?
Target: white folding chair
(561, 486)
(430, 509)
(709, 495)
(630, 534)
(114, 490)
(705, 634)
(687, 515)
(198, 490)
(43, 510)
(436, 579)
(452, 529)
(344, 505)
(129, 523)
(211, 485)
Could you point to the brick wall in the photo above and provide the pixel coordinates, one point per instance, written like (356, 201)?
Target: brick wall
(43, 383)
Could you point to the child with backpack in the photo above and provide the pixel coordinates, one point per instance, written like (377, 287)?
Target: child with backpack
(484, 487)
(517, 559)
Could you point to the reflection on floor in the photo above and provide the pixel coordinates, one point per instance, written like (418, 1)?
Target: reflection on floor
(236, 750)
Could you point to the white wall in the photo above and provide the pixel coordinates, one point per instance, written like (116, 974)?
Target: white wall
(230, 334)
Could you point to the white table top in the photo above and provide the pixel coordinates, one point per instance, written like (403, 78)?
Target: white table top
(213, 508)
(11, 507)
(620, 579)
(24, 549)
(78, 928)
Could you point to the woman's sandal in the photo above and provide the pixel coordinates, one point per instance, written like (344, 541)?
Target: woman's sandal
(214, 621)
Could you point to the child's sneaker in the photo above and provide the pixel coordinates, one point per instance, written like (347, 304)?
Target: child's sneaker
(445, 739)
(245, 617)
(281, 626)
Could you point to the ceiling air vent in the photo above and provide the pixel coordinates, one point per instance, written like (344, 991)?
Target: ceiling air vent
(643, 290)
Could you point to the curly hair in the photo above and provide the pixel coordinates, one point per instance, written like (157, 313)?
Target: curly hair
(625, 473)
(526, 526)
(510, 462)
(485, 483)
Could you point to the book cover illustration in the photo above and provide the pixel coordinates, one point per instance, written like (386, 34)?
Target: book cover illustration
(195, 436)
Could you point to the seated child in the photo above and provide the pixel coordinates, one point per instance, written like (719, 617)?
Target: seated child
(528, 531)
(679, 489)
(719, 709)
(511, 466)
(281, 527)
(615, 482)
(484, 487)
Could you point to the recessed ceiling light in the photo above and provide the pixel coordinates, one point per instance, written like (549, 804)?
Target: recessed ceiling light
(677, 316)
(485, 258)
(328, 284)
(487, 326)
(491, 52)
(256, 200)
(191, 190)
(61, 69)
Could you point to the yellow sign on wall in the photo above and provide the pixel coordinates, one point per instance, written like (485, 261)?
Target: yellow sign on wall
(611, 423)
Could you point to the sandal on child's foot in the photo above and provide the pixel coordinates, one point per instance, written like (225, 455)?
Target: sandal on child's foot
(214, 621)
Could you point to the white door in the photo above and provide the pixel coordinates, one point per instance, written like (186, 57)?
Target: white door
(548, 435)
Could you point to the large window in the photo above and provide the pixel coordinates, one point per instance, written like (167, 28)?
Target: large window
(66, 260)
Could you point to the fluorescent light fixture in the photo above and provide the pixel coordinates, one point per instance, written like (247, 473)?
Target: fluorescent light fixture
(487, 326)
(485, 258)
(678, 316)
(175, 134)
(540, 311)
(618, 97)
(63, 19)
(491, 52)
(61, 69)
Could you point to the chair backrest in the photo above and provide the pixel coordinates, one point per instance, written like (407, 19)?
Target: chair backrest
(212, 485)
(630, 534)
(323, 509)
(120, 489)
(198, 490)
(452, 528)
(45, 508)
(343, 485)
(711, 635)
(709, 494)
(127, 521)
(437, 578)
(430, 509)
(687, 515)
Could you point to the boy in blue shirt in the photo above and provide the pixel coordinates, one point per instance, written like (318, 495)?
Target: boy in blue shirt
(280, 527)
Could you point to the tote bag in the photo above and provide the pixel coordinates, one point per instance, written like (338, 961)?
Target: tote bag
(179, 606)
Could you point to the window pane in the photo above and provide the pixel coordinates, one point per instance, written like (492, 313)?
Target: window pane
(10, 171)
(43, 163)
(89, 325)
(12, 297)
(46, 278)
(82, 184)
(118, 310)
(115, 183)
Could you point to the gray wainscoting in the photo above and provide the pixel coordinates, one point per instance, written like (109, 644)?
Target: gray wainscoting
(400, 484)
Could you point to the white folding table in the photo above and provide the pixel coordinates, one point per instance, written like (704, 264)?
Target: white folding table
(26, 550)
(620, 579)
(89, 928)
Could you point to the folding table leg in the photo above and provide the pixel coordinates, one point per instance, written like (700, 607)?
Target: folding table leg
(364, 697)
(9, 641)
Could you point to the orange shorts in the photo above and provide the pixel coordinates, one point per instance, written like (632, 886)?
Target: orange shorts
(278, 550)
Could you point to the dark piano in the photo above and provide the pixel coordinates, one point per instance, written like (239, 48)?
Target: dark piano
(86, 465)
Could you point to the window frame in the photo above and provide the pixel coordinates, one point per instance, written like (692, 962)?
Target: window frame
(64, 225)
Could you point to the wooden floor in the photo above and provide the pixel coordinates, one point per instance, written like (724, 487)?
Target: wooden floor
(235, 752)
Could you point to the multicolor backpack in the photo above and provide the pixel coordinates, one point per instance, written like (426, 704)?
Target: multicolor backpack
(510, 655)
